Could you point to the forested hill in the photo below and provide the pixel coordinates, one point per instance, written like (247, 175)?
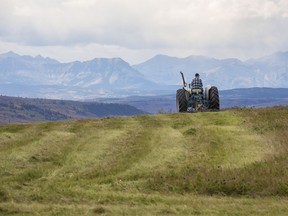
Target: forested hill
(15, 109)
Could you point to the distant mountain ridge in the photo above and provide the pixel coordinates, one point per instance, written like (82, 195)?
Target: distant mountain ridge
(98, 76)
(268, 71)
(40, 77)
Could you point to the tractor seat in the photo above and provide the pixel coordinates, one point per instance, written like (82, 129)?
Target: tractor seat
(196, 91)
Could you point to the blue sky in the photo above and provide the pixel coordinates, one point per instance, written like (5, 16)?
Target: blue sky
(136, 30)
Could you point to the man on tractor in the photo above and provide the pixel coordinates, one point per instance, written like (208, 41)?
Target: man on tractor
(193, 98)
(197, 82)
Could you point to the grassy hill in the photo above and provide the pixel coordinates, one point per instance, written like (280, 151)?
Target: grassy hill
(233, 162)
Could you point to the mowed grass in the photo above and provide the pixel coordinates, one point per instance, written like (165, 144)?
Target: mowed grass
(232, 162)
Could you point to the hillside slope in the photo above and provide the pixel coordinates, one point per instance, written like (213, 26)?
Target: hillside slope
(148, 165)
(16, 109)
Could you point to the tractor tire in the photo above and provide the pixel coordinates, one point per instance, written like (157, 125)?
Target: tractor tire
(214, 98)
(181, 101)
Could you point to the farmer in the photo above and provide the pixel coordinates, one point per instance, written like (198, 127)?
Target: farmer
(197, 82)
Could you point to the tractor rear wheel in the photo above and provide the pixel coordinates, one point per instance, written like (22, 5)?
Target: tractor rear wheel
(181, 101)
(214, 98)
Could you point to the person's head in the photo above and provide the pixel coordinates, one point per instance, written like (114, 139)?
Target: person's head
(197, 75)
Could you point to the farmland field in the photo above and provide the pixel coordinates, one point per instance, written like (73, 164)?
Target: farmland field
(232, 162)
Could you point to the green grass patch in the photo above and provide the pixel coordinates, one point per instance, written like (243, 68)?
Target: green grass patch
(218, 163)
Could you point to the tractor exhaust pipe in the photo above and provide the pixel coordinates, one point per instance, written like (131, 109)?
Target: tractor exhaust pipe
(183, 79)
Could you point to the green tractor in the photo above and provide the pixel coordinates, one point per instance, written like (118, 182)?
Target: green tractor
(193, 100)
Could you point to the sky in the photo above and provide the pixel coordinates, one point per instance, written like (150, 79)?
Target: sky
(137, 30)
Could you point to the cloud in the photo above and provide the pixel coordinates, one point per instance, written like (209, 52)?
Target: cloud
(197, 25)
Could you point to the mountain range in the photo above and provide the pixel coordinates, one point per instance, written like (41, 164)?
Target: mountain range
(27, 76)
(268, 71)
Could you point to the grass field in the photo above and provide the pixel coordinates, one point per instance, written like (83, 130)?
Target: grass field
(233, 162)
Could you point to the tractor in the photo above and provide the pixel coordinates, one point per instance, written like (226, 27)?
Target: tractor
(193, 100)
